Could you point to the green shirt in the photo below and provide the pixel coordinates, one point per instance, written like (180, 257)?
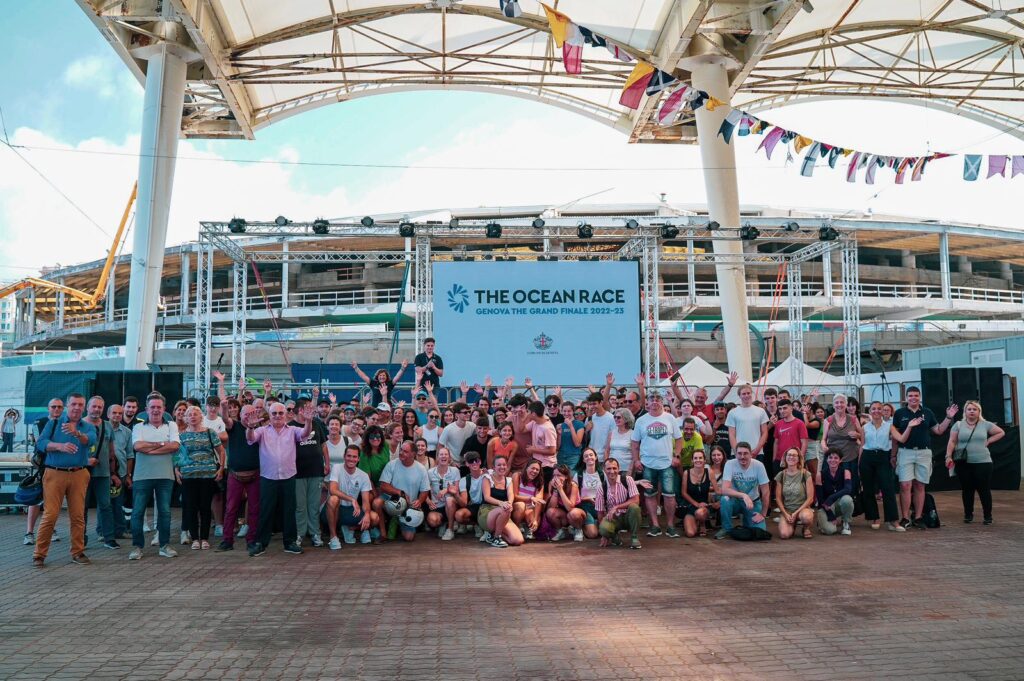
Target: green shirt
(373, 464)
(689, 447)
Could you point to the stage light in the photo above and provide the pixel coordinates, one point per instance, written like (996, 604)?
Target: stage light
(493, 230)
(748, 232)
(713, 225)
(584, 231)
(632, 224)
(237, 226)
(827, 233)
(538, 223)
(669, 231)
(406, 229)
(453, 223)
(281, 221)
(366, 221)
(791, 227)
(321, 226)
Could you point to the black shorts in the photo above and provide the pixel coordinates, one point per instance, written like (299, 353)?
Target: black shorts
(548, 473)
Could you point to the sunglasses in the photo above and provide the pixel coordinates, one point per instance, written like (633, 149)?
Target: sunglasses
(433, 416)
(630, 401)
(289, 408)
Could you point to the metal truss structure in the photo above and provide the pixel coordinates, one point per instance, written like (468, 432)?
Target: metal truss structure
(423, 291)
(204, 296)
(851, 312)
(239, 294)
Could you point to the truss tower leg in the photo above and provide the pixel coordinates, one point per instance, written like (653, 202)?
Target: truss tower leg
(796, 322)
(240, 292)
(719, 161)
(851, 312)
(424, 292)
(161, 125)
(204, 294)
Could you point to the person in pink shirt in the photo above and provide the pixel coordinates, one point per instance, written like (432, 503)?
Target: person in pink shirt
(544, 439)
(277, 442)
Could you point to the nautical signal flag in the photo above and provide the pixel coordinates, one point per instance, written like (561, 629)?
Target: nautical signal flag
(566, 35)
(510, 8)
(636, 85)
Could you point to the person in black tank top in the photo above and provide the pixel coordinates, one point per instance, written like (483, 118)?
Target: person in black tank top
(698, 485)
(496, 510)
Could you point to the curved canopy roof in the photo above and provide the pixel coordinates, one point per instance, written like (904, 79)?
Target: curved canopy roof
(259, 61)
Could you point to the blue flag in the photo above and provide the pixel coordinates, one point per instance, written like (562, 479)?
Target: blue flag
(972, 166)
(807, 168)
(510, 8)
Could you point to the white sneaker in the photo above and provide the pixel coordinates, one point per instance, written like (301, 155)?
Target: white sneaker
(218, 531)
(448, 534)
(578, 535)
(895, 527)
(186, 538)
(29, 539)
(846, 531)
(317, 541)
(479, 533)
(136, 554)
(242, 531)
(167, 551)
(486, 537)
(334, 544)
(55, 537)
(364, 537)
(349, 534)
(156, 540)
(560, 535)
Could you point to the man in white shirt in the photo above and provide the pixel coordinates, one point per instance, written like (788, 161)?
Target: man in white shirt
(152, 470)
(748, 422)
(744, 491)
(407, 478)
(656, 439)
(601, 423)
(456, 433)
(350, 491)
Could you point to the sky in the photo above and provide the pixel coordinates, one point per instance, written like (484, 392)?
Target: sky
(74, 113)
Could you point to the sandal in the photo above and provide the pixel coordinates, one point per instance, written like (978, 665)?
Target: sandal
(195, 545)
(876, 525)
(205, 545)
(807, 533)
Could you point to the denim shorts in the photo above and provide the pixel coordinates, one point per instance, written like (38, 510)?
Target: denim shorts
(663, 478)
(590, 509)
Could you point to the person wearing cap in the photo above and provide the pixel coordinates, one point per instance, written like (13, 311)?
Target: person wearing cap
(405, 478)
(384, 415)
(323, 410)
(656, 440)
(422, 404)
(455, 434)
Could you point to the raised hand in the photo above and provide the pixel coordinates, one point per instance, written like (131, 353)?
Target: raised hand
(366, 398)
(316, 392)
(477, 388)
(355, 364)
(640, 379)
(528, 382)
(218, 375)
(509, 381)
(333, 398)
(609, 379)
(487, 382)
(952, 410)
(733, 377)
(405, 363)
(464, 387)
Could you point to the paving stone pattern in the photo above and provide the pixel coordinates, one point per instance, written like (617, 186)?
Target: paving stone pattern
(943, 604)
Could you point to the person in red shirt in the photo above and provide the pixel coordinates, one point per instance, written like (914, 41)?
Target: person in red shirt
(790, 433)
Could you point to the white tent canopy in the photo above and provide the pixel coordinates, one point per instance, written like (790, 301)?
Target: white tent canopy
(699, 373)
(782, 376)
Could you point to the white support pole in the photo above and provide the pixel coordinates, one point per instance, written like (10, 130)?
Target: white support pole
(284, 277)
(944, 266)
(186, 276)
(826, 277)
(161, 125)
(61, 301)
(719, 161)
(691, 273)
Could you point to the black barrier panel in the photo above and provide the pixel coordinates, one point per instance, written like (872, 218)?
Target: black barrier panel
(169, 384)
(935, 389)
(139, 384)
(990, 392)
(965, 385)
(1005, 460)
(112, 386)
(43, 386)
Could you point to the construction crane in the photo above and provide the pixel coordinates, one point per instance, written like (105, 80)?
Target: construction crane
(76, 300)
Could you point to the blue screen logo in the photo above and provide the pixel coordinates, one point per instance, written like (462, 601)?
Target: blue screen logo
(458, 298)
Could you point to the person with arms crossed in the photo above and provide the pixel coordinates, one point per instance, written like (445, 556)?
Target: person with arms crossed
(151, 471)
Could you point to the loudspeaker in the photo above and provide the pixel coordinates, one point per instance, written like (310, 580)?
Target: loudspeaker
(169, 384)
(935, 390)
(108, 385)
(138, 384)
(965, 386)
(990, 394)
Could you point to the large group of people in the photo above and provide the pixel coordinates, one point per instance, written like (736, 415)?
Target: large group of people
(507, 467)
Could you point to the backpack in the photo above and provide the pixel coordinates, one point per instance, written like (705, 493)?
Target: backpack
(930, 514)
(39, 455)
(749, 534)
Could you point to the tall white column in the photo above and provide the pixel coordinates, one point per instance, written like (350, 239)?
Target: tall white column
(719, 161)
(161, 125)
(108, 303)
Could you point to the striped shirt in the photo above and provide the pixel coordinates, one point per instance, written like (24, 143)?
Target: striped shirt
(618, 493)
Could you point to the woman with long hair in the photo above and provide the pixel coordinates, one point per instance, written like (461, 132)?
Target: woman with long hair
(968, 453)
(563, 494)
(876, 470)
(503, 445)
(794, 495)
(529, 501)
(814, 418)
(589, 510)
(698, 485)
(431, 430)
(495, 513)
(382, 386)
(410, 424)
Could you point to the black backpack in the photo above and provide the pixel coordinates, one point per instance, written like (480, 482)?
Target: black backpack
(930, 514)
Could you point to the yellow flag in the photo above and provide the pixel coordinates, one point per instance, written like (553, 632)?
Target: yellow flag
(713, 103)
(800, 142)
(559, 24)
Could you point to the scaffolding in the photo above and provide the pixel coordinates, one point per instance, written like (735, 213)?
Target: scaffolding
(642, 243)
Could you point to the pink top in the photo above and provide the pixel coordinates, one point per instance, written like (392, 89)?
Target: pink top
(277, 450)
(544, 435)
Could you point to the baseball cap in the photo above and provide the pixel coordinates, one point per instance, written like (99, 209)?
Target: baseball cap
(383, 406)
(422, 393)
(349, 407)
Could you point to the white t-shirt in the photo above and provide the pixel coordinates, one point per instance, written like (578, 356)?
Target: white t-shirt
(747, 422)
(454, 437)
(476, 488)
(439, 482)
(215, 424)
(600, 427)
(748, 481)
(352, 484)
(410, 479)
(656, 435)
(621, 448)
(154, 466)
(336, 452)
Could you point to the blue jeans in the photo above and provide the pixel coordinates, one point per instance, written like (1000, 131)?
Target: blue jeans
(117, 508)
(8, 443)
(731, 505)
(99, 489)
(142, 492)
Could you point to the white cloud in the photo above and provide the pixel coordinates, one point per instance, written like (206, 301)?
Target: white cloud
(98, 74)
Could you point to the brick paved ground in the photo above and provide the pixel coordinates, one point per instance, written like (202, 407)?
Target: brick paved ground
(936, 604)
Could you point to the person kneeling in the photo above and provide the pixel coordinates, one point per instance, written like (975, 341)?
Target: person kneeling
(406, 479)
(621, 507)
(744, 491)
(835, 494)
(496, 510)
(444, 492)
(348, 505)
(794, 494)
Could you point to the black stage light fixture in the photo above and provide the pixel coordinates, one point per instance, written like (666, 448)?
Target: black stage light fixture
(827, 233)
(281, 221)
(713, 225)
(791, 227)
(366, 221)
(632, 224)
(669, 231)
(538, 223)
(453, 223)
(321, 226)
(493, 230)
(584, 231)
(406, 229)
(237, 226)
(748, 232)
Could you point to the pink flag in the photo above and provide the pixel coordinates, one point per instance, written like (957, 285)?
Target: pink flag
(901, 169)
(919, 168)
(1017, 166)
(672, 104)
(996, 166)
(851, 170)
(770, 140)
